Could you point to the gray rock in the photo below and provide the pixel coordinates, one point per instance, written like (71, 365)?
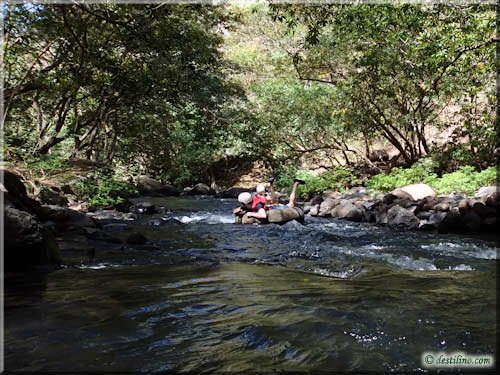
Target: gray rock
(444, 207)
(471, 222)
(66, 216)
(145, 208)
(314, 211)
(27, 243)
(451, 223)
(486, 191)
(200, 189)
(423, 215)
(348, 211)
(49, 196)
(483, 210)
(428, 203)
(148, 186)
(400, 193)
(326, 206)
(389, 198)
(401, 218)
(419, 191)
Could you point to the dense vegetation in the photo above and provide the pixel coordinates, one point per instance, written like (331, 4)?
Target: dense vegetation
(176, 91)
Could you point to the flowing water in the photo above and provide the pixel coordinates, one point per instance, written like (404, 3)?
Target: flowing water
(207, 295)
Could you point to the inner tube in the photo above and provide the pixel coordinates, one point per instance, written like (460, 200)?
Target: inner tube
(275, 216)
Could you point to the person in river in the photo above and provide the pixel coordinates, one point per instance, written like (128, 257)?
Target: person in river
(257, 205)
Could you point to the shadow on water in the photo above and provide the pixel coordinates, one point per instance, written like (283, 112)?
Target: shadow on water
(206, 295)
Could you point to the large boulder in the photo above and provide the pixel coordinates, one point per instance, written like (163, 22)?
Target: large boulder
(418, 191)
(327, 206)
(348, 211)
(148, 186)
(50, 196)
(401, 218)
(451, 223)
(490, 195)
(66, 217)
(199, 189)
(27, 243)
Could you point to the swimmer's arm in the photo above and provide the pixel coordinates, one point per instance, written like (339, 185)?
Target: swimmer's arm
(260, 214)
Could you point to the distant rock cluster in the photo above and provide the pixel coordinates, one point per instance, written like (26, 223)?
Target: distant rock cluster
(413, 207)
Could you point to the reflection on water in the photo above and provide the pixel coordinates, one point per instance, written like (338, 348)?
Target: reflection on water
(209, 295)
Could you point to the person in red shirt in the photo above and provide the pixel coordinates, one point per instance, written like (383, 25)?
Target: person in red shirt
(257, 205)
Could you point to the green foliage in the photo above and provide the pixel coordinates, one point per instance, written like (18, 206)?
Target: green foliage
(103, 190)
(465, 180)
(422, 171)
(338, 178)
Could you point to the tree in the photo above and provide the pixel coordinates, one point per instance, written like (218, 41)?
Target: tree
(395, 67)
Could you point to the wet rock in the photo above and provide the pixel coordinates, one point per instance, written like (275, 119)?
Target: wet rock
(486, 191)
(483, 210)
(427, 203)
(436, 218)
(314, 211)
(381, 214)
(148, 186)
(401, 194)
(444, 207)
(389, 198)
(136, 239)
(419, 191)
(326, 206)
(104, 215)
(471, 222)
(489, 195)
(27, 243)
(144, 208)
(423, 215)
(347, 211)
(401, 218)
(66, 216)
(451, 223)
(200, 189)
(404, 202)
(317, 199)
(463, 206)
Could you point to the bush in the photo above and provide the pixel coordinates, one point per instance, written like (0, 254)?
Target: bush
(103, 190)
(338, 178)
(422, 171)
(464, 180)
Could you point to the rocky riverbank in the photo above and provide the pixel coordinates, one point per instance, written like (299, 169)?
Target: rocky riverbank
(38, 232)
(413, 207)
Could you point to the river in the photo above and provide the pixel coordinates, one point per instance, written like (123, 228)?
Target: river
(204, 294)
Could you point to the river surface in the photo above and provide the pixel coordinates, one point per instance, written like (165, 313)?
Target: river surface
(204, 294)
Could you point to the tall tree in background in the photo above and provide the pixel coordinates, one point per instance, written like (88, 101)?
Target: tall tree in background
(144, 83)
(396, 68)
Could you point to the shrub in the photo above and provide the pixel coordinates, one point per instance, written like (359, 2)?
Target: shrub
(104, 190)
(338, 178)
(464, 180)
(422, 171)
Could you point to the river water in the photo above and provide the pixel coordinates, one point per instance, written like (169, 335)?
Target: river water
(204, 294)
